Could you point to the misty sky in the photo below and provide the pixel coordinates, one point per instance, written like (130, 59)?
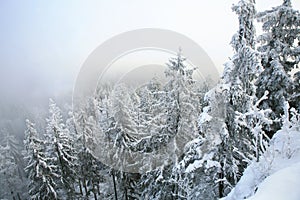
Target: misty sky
(44, 43)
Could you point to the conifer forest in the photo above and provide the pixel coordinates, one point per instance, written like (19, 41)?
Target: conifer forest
(175, 139)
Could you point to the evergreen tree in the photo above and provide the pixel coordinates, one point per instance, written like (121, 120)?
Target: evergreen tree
(236, 148)
(243, 70)
(148, 106)
(181, 102)
(89, 167)
(174, 123)
(41, 173)
(218, 157)
(206, 167)
(279, 46)
(11, 176)
(60, 150)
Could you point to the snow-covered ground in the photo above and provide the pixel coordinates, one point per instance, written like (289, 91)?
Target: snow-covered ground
(277, 175)
(283, 184)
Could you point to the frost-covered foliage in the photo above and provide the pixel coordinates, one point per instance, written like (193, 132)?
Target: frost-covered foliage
(254, 120)
(202, 171)
(12, 180)
(60, 151)
(243, 70)
(218, 157)
(278, 166)
(177, 139)
(180, 101)
(41, 172)
(88, 167)
(279, 47)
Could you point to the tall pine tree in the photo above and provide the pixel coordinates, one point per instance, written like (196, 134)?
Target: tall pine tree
(279, 46)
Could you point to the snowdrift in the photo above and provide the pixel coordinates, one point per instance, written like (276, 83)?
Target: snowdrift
(277, 175)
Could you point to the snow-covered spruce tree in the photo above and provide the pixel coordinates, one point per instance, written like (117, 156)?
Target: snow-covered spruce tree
(101, 135)
(89, 168)
(121, 136)
(84, 165)
(152, 118)
(279, 46)
(200, 174)
(147, 99)
(182, 115)
(179, 106)
(239, 77)
(13, 184)
(122, 112)
(117, 122)
(181, 101)
(149, 117)
(60, 150)
(40, 170)
(107, 121)
(217, 158)
(244, 119)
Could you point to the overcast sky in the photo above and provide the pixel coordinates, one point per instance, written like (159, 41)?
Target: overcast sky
(44, 43)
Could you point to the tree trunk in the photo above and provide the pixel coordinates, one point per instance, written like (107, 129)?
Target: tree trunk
(85, 187)
(221, 184)
(95, 195)
(98, 188)
(115, 188)
(125, 185)
(94, 190)
(13, 196)
(80, 187)
(126, 195)
(18, 196)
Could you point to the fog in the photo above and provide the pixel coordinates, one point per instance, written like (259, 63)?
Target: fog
(44, 43)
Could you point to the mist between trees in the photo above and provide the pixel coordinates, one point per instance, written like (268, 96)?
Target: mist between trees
(173, 140)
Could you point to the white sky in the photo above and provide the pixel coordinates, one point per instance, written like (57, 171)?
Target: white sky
(44, 43)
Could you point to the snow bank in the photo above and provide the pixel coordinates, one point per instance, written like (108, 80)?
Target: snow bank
(283, 184)
(276, 175)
